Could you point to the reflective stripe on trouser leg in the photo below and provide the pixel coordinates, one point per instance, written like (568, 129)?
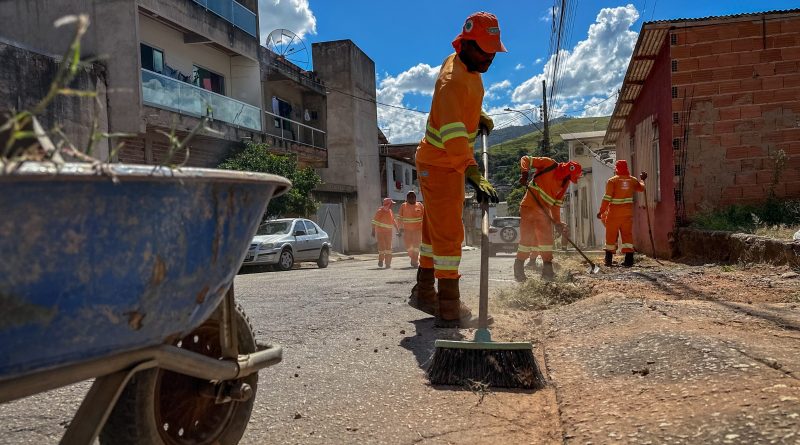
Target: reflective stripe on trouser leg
(384, 244)
(527, 236)
(613, 224)
(539, 230)
(442, 228)
(626, 232)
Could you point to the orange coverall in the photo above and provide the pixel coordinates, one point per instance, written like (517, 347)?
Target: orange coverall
(383, 223)
(618, 202)
(536, 230)
(445, 152)
(410, 220)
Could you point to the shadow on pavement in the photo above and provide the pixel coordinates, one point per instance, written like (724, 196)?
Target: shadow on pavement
(422, 344)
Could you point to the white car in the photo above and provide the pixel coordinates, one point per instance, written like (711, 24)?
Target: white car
(504, 235)
(284, 242)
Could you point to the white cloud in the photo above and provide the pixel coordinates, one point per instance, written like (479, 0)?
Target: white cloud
(403, 125)
(551, 12)
(538, 61)
(594, 67)
(519, 66)
(294, 15)
(496, 89)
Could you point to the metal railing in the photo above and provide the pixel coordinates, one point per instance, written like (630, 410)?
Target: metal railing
(293, 131)
(233, 12)
(172, 94)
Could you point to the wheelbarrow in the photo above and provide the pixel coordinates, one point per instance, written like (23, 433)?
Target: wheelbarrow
(124, 273)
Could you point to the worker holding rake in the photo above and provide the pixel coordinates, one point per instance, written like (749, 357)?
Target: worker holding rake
(546, 181)
(445, 158)
(616, 211)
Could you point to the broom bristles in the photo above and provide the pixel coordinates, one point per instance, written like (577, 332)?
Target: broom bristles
(499, 368)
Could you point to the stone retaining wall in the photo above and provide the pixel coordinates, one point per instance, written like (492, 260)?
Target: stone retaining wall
(729, 247)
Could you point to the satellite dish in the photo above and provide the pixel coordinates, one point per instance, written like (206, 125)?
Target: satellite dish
(290, 46)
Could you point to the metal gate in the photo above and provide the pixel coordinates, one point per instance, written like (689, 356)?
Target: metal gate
(329, 217)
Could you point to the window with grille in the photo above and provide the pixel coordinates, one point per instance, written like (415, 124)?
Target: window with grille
(674, 92)
(676, 144)
(674, 66)
(676, 118)
(673, 39)
(677, 170)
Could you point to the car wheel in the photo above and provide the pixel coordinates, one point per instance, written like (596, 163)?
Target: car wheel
(324, 258)
(508, 234)
(286, 260)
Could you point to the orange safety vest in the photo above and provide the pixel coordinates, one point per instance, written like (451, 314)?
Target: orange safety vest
(383, 220)
(618, 200)
(546, 188)
(410, 216)
(453, 120)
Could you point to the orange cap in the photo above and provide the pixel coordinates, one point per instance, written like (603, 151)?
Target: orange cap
(483, 28)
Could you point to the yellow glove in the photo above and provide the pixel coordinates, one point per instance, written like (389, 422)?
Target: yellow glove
(486, 123)
(483, 189)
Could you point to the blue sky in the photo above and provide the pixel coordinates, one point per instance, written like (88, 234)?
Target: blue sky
(408, 40)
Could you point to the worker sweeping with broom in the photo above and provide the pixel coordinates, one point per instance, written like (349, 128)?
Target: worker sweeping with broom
(616, 211)
(444, 160)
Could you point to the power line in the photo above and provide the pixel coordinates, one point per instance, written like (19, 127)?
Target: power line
(370, 100)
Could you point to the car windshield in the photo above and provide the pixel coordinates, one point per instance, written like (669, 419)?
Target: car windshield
(506, 223)
(275, 228)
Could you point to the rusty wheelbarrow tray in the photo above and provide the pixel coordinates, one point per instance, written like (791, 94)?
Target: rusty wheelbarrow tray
(109, 271)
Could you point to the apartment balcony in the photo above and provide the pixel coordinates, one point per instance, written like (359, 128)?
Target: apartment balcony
(233, 12)
(289, 136)
(174, 95)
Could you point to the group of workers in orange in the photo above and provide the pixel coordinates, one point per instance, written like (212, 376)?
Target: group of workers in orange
(445, 160)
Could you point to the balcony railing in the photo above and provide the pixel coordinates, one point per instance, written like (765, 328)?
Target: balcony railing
(293, 131)
(172, 94)
(233, 12)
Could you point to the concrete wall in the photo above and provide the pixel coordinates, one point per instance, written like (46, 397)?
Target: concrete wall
(738, 88)
(113, 31)
(25, 78)
(352, 133)
(654, 100)
(587, 230)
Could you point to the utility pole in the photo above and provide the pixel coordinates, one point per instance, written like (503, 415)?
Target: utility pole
(546, 135)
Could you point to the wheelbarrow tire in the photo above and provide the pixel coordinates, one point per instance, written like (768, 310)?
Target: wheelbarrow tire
(136, 418)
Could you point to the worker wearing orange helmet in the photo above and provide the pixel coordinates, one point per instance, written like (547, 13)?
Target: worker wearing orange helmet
(540, 209)
(445, 157)
(409, 219)
(616, 211)
(383, 225)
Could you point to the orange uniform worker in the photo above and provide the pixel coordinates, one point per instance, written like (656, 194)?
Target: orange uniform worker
(409, 219)
(445, 157)
(541, 208)
(616, 211)
(383, 225)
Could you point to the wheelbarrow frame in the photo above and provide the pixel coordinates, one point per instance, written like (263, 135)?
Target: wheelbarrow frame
(112, 373)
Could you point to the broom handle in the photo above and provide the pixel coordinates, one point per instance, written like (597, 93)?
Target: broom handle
(483, 304)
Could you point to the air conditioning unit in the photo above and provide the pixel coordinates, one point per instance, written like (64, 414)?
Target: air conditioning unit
(579, 151)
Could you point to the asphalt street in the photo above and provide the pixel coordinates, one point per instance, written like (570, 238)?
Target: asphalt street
(354, 354)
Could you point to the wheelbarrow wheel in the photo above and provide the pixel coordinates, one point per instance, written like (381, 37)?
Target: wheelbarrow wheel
(165, 408)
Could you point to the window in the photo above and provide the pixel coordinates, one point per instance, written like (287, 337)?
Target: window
(674, 66)
(152, 58)
(207, 80)
(673, 39)
(676, 118)
(676, 144)
(311, 229)
(674, 92)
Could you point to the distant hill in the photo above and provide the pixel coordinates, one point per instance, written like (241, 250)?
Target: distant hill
(507, 133)
(504, 156)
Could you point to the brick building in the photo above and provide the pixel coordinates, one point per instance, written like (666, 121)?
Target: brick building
(706, 106)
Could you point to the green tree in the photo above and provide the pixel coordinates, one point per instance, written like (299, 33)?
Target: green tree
(298, 202)
(513, 199)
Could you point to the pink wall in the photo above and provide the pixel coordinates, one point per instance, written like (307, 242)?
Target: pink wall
(655, 99)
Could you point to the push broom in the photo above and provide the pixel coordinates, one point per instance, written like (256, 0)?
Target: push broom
(496, 364)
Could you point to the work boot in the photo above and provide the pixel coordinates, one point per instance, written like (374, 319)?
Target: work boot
(453, 313)
(423, 294)
(628, 260)
(547, 271)
(380, 263)
(609, 257)
(519, 271)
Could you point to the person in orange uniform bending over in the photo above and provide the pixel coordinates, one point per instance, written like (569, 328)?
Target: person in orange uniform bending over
(445, 157)
(409, 220)
(541, 208)
(383, 224)
(617, 211)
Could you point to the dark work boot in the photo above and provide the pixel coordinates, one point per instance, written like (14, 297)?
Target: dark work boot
(452, 313)
(519, 271)
(547, 271)
(609, 257)
(423, 294)
(628, 260)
